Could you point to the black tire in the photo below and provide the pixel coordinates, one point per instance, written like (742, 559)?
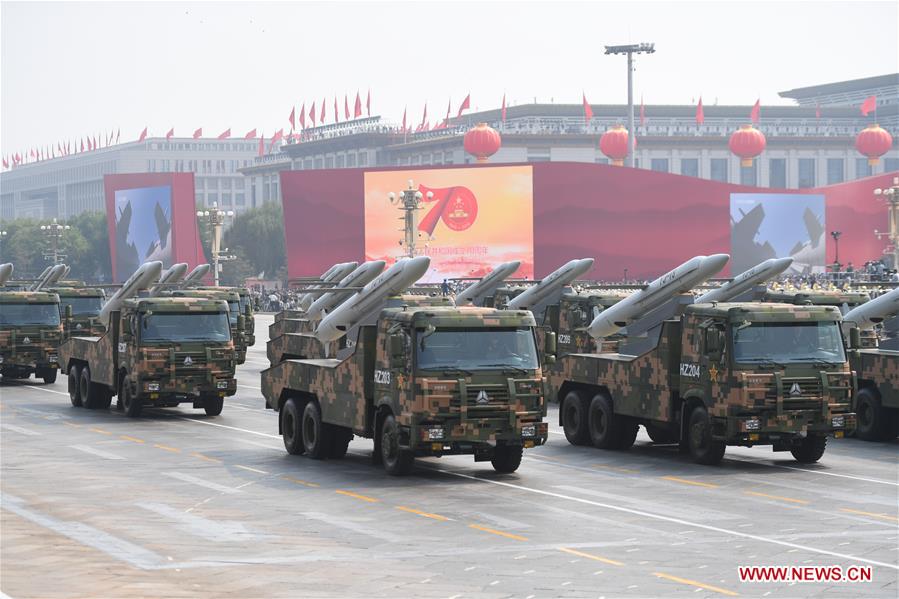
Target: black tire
(315, 438)
(291, 428)
(397, 461)
(507, 458)
(661, 435)
(703, 448)
(627, 432)
(213, 405)
(49, 375)
(339, 438)
(132, 403)
(86, 390)
(810, 449)
(574, 418)
(75, 386)
(602, 426)
(873, 420)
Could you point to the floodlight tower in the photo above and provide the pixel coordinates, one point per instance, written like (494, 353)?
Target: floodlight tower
(630, 50)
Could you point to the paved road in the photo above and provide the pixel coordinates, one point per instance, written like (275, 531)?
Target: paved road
(181, 504)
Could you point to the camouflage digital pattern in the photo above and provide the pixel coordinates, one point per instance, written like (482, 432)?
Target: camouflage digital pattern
(246, 308)
(80, 324)
(29, 349)
(878, 369)
(575, 312)
(659, 385)
(365, 381)
(161, 374)
(239, 328)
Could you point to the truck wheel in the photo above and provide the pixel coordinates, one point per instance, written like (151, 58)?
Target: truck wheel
(810, 449)
(507, 458)
(397, 461)
(340, 438)
(661, 435)
(602, 425)
(574, 418)
(49, 376)
(703, 448)
(315, 439)
(75, 386)
(873, 421)
(291, 431)
(213, 405)
(132, 403)
(85, 389)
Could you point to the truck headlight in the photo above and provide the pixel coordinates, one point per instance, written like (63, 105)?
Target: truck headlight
(752, 425)
(152, 386)
(529, 430)
(221, 385)
(838, 421)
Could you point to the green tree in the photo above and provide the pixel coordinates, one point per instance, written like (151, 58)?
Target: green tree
(256, 237)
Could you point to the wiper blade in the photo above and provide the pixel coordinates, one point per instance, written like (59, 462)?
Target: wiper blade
(448, 368)
(766, 361)
(509, 367)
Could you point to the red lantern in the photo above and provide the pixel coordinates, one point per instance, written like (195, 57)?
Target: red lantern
(482, 141)
(873, 141)
(613, 144)
(747, 143)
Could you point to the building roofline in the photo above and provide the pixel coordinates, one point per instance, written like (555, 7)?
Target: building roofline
(841, 86)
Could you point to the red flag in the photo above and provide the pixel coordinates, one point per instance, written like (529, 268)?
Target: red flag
(368, 103)
(756, 112)
(404, 119)
(346, 108)
(869, 105)
(261, 151)
(817, 111)
(143, 136)
(303, 116)
(90, 144)
(466, 104)
(250, 134)
(5, 163)
(642, 112)
(292, 118)
(225, 134)
(357, 107)
(321, 115)
(424, 117)
(169, 135)
(279, 134)
(198, 133)
(700, 116)
(336, 111)
(588, 111)
(504, 109)
(312, 114)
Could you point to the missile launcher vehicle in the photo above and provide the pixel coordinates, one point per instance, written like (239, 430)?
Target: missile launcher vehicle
(30, 332)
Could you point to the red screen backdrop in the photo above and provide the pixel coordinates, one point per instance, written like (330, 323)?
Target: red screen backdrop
(645, 221)
(151, 216)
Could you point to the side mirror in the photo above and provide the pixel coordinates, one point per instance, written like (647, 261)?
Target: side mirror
(549, 359)
(396, 346)
(714, 343)
(549, 343)
(241, 322)
(126, 326)
(855, 338)
(248, 310)
(68, 311)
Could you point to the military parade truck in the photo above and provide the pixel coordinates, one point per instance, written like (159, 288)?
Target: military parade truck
(708, 375)
(419, 380)
(86, 303)
(240, 332)
(157, 352)
(30, 332)
(248, 336)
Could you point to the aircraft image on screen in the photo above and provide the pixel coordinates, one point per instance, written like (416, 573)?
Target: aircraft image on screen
(765, 226)
(143, 228)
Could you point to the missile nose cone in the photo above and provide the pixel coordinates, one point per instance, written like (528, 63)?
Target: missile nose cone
(417, 266)
(715, 262)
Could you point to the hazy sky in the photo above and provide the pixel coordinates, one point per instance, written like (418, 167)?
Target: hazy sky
(71, 69)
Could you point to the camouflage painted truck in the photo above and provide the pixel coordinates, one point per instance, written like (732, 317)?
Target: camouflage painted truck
(30, 332)
(86, 303)
(155, 352)
(248, 334)
(240, 329)
(708, 375)
(418, 380)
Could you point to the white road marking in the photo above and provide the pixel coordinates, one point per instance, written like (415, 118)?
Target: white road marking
(40, 388)
(342, 522)
(212, 530)
(97, 452)
(250, 387)
(20, 430)
(233, 428)
(264, 445)
(188, 478)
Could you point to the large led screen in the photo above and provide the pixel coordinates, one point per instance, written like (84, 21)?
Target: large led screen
(143, 227)
(470, 219)
(778, 225)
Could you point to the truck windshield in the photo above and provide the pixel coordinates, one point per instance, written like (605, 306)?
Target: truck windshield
(233, 311)
(477, 349)
(198, 326)
(15, 314)
(81, 306)
(782, 342)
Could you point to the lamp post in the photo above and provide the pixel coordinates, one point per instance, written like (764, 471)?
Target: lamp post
(630, 50)
(54, 232)
(836, 242)
(890, 195)
(215, 217)
(409, 201)
(3, 235)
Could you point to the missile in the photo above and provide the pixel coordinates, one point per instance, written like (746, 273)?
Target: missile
(5, 273)
(66, 273)
(40, 278)
(196, 275)
(50, 275)
(335, 273)
(360, 277)
(681, 279)
(742, 283)
(169, 278)
(487, 286)
(141, 279)
(875, 311)
(557, 279)
(372, 297)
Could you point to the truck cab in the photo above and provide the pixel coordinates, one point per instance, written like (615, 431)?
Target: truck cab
(238, 321)
(86, 303)
(30, 332)
(246, 308)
